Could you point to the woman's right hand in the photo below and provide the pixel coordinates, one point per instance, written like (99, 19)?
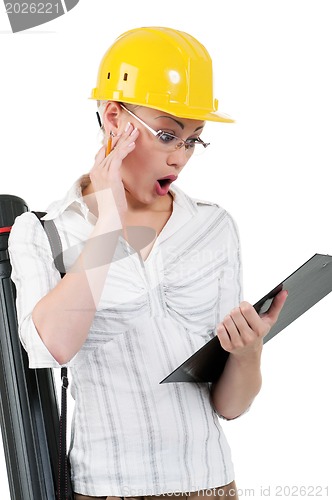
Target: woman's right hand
(81, 289)
(106, 177)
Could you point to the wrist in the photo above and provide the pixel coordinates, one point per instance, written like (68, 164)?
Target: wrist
(248, 357)
(108, 221)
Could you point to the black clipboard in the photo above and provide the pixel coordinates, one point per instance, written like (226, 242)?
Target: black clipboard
(306, 286)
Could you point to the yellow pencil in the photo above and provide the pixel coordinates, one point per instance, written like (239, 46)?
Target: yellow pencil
(109, 146)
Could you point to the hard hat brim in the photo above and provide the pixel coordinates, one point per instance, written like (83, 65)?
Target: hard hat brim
(197, 114)
(178, 111)
(216, 117)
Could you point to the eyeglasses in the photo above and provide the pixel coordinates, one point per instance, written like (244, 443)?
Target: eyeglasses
(170, 141)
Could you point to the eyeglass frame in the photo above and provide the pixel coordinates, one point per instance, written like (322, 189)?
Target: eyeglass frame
(187, 145)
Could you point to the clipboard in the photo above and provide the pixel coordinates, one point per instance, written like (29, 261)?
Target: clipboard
(306, 286)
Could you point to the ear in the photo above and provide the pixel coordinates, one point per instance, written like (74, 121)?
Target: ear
(111, 118)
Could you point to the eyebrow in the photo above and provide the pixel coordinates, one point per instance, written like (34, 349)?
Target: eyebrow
(179, 123)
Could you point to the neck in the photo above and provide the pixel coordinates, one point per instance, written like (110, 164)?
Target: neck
(165, 204)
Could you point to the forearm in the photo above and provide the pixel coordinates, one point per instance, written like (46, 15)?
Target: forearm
(63, 317)
(238, 385)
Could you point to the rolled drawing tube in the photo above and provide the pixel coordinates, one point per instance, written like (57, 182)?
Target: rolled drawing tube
(29, 414)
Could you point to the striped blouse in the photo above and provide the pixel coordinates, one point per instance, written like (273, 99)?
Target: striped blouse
(130, 435)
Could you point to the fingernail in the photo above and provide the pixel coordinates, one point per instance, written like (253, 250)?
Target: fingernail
(127, 127)
(133, 132)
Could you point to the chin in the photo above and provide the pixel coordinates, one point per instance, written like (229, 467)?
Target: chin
(141, 197)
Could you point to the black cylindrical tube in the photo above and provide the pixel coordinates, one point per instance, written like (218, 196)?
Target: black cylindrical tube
(29, 414)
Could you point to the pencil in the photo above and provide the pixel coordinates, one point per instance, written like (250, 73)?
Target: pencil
(109, 146)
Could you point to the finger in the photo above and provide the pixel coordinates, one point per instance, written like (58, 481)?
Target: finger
(232, 331)
(130, 134)
(245, 330)
(125, 138)
(123, 135)
(115, 139)
(252, 318)
(277, 304)
(100, 155)
(224, 338)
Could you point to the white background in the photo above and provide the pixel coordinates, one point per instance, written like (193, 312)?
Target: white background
(270, 170)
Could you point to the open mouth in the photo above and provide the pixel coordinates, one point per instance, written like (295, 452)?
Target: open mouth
(164, 182)
(162, 185)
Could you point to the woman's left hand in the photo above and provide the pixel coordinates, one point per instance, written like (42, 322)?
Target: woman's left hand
(242, 331)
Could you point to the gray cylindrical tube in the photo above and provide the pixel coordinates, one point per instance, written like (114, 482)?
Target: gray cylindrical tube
(29, 414)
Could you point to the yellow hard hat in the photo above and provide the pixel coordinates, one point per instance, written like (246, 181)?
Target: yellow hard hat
(160, 68)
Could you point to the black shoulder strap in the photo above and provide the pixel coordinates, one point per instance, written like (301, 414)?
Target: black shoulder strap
(64, 489)
(55, 242)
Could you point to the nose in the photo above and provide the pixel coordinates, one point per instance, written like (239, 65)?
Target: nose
(177, 158)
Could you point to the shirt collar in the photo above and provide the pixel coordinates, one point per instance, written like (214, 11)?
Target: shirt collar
(73, 197)
(182, 199)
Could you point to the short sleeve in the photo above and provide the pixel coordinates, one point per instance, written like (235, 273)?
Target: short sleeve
(230, 279)
(34, 275)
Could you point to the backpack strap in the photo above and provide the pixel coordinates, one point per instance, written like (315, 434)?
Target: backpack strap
(55, 242)
(63, 491)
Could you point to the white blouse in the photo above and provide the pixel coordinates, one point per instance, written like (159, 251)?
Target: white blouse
(132, 436)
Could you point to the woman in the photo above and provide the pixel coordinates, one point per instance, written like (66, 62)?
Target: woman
(152, 275)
